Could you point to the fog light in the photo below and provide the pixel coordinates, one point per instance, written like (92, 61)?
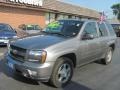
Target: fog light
(25, 74)
(32, 73)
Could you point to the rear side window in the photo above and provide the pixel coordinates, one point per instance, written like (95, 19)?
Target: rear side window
(110, 28)
(102, 29)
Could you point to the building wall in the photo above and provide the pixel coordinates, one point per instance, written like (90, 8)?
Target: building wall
(16, 16)
(50, 16)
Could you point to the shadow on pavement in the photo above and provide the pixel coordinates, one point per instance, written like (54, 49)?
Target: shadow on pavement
(71, 86)
(75, 86)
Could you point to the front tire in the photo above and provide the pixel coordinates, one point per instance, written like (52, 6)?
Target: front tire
(108, 57)
(62, 72)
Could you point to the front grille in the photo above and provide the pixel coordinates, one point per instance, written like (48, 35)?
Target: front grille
(17, 53)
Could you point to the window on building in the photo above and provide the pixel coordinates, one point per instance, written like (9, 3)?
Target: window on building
(73, 17)
(56, 16)
(50, 17)
(70, 16)
(47, 16)
(60, 16)
(65, 16)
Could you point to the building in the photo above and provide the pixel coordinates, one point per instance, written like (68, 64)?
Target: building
(16, 12)
(114, 21)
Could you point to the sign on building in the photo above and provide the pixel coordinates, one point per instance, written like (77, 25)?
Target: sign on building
(30, 2)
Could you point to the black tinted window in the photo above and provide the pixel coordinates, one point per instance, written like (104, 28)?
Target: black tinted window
(90, 29)
(102, 29)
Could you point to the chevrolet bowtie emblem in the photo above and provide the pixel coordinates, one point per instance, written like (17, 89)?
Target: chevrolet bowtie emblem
(14, 51)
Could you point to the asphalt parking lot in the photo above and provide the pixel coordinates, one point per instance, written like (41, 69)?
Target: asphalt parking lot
(93, 76)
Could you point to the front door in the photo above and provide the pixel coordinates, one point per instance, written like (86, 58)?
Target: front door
(89, 45)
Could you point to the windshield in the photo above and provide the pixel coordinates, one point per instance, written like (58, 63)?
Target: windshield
(64, 27)
(32, 27)
(7, 28)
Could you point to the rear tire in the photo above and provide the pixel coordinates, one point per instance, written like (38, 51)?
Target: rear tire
(108, 57)
(62, 72)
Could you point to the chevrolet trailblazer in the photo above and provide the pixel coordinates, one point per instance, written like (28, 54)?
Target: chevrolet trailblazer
(62, 46)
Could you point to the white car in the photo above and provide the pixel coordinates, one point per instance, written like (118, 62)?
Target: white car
(30, 28)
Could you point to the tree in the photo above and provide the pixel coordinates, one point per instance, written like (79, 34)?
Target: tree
(116, 10)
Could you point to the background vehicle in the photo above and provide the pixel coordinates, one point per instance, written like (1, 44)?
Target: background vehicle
(30, 28)
(61, 46)
(6, 33)
(116, 27)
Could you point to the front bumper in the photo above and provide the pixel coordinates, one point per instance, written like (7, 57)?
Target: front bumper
(41, 72)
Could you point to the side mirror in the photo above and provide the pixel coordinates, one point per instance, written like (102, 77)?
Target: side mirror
(87, 37)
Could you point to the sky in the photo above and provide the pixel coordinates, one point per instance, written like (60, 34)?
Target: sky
(99, 5)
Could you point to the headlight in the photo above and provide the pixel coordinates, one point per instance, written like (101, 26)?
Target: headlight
(37, 56)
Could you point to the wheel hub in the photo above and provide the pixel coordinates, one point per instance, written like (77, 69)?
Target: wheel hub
(64, 73)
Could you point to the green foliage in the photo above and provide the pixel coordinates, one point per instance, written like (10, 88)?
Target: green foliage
(116, 10)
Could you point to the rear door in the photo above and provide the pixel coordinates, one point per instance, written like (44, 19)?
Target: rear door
(103, 37)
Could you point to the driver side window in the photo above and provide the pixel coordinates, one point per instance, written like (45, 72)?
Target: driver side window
(90, 31)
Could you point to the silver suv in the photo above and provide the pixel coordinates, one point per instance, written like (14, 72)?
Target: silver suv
(62, 46)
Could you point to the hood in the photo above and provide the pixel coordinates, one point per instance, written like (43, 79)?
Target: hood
(38, 41)
(7, 34)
